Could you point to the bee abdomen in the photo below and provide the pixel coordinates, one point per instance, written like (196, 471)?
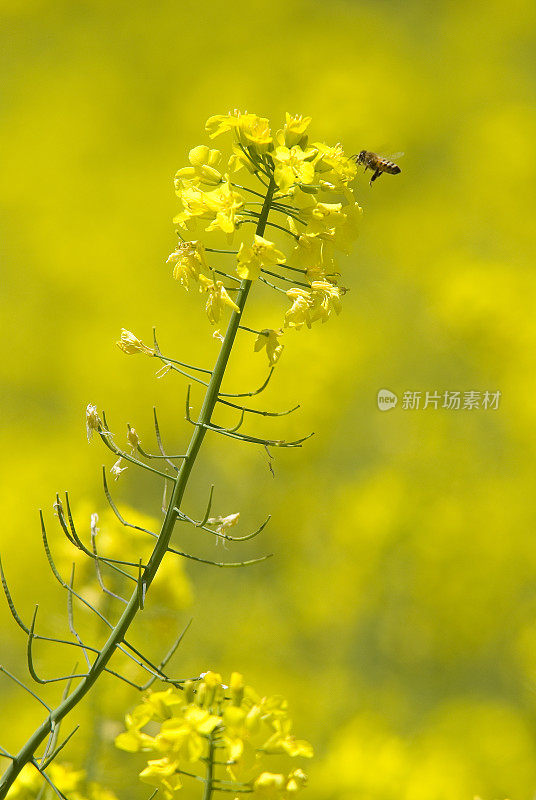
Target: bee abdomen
(390, 167)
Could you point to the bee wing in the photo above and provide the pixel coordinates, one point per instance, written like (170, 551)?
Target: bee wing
(385, 152)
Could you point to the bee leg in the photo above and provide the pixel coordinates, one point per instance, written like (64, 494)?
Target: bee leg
(376, 175)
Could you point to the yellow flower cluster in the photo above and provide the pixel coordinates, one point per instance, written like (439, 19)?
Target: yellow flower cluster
(29, 784)
(310, 204)
(215, 730)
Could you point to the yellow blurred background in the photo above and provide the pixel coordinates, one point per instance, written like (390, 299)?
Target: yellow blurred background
(398, 614)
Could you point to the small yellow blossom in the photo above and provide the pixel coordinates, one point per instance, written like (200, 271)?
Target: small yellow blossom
(219, 206)
(326, 299)
(194, 205)
(217, 299)
(188, 259)
(298, 313)
(314, 254)
(268, 338)
(293, 132)
(269, 785)
(322, 217)
(320, 302)
(131, 345)
(162, 773)
(203, 170)
(334, 169)
(293, 165)
(223, 123)
(251, 130)
(251, 258)
(289, 745)
(256, 133)
(240, 159)
(185, 736)
(224, 203)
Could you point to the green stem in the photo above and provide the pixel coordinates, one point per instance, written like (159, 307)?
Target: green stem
(117, 635)
(209, 788)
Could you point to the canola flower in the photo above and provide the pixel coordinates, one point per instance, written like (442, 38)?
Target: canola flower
(290, 233)
(313, 215)
(221, 735)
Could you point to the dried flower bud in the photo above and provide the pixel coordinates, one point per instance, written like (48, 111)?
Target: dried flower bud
(133, 438)
(117, 469)
(93, 422)
(223, 523)
(160, 373)
(130, 344)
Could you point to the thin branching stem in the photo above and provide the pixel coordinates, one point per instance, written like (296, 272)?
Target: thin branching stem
(58, 749)
(284, 278)
(70, 616)
(117, 635)
(293, 269)
(259, 411)
(23, 686)
(184, 518)
(272, 286)
(249, 394)
(169, 655)
(158, 354)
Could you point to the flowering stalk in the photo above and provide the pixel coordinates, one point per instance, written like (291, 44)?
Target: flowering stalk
(119, 632)
(300, 183)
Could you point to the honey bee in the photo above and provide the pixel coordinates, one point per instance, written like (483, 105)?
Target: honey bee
(376, 163)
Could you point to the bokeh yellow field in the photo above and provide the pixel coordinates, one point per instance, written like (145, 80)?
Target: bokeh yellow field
(399, 612)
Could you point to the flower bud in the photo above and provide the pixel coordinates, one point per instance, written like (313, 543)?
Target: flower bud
(201, 695)
(296, 781)
(253, 719)
(237, 688)
(267, 783)
(189, 691)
